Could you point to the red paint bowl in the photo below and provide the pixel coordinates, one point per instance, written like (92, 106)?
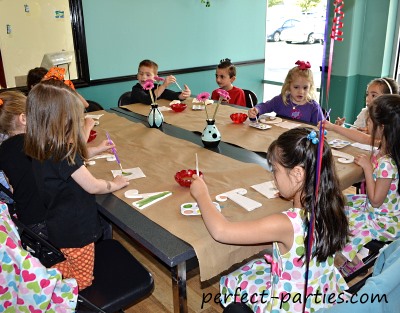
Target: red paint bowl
(92, 135)
(238, 118)
(178, 107)
(184, 177)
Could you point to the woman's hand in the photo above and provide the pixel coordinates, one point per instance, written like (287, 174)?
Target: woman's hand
(252, 113)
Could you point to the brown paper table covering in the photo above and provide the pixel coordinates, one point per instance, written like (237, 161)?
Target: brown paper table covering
(160, 156)
(243, 135)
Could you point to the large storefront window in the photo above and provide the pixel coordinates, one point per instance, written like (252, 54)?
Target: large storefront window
(294, 32)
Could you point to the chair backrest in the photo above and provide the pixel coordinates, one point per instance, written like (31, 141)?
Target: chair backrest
(237, 307)
(93, 106)
(120, 280)
(38, 246)
(125, 99)
(250, 97)
(384, 285)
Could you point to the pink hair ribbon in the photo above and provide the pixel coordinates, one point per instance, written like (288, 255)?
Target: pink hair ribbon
(303, 65)
(311, 225)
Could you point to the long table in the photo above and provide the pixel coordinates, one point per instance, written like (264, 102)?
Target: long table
(241, 135)
(136, 144)
(160, 237)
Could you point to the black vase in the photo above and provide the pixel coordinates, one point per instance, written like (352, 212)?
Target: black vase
(155, 117)
(211, 136)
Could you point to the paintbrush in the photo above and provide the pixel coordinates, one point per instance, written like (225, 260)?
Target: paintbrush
(350, 125)
(116, 155)
(197, 166)
(252, 105)
(178, 86)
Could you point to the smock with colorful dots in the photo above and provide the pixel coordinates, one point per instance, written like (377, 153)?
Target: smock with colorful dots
(276, 284)
(365, 221)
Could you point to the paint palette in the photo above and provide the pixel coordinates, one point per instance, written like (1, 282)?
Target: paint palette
(259, 125)
(191, 208)
(338, 143)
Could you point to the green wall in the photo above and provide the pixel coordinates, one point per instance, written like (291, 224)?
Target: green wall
(365, 53)
(177, 34)
(180, 34)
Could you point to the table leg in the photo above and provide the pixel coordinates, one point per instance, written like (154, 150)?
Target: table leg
(178, 274)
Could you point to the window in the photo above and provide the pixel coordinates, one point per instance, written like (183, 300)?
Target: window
(292, 35)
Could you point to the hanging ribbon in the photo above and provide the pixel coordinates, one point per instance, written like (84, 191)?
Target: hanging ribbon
(311, 225)
(336, 34)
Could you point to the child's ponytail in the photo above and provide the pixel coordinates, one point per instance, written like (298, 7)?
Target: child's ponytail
(294, 148)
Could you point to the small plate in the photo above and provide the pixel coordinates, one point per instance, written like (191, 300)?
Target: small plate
(259, 125)
(191, 208)
(267, 120)
(198, 107)
(338, 143)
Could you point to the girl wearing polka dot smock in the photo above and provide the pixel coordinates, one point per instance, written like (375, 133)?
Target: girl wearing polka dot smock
(376, 214)
(277, 283)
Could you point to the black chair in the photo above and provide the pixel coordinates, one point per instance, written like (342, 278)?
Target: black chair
(93, 106)
(120, 280)
(250, 97)
(37, 246)
(237, 307)
(374, 248)
(125, 99)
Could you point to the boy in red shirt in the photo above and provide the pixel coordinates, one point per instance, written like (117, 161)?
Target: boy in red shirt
(225, 76)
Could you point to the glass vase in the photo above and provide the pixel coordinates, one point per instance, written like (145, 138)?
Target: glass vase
(211, 135)
(155, 117)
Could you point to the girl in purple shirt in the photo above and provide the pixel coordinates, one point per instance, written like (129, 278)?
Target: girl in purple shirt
(296, 100)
